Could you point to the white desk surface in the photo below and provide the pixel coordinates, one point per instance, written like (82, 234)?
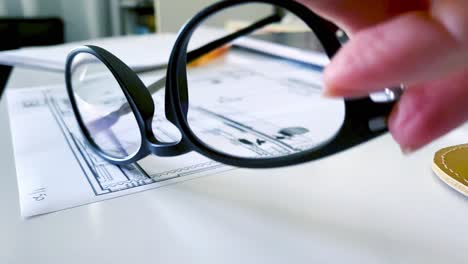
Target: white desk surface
(370, 204)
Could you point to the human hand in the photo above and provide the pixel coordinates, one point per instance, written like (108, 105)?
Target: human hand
(421, 43)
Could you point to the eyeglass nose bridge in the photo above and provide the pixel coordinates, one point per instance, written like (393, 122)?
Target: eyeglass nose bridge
(160, 148)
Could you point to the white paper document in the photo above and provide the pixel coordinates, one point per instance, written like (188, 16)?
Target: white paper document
(268, 108)
(57, 170)
(139, 52)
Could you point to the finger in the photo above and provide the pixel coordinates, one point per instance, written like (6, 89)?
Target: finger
(428, 111)
(353, 16)
(452, 14)
(409, 49)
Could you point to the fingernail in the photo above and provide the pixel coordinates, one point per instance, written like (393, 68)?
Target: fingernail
(333, 92)
(398, 125)
(329, 93)
(407, 151)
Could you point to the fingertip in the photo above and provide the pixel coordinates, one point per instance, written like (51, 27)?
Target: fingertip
(331, 90)
(428, 111)
(336, 84)
(329, 93)
(397, 126)
(352, 70)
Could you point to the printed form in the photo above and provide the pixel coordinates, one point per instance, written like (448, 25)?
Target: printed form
(56, 169)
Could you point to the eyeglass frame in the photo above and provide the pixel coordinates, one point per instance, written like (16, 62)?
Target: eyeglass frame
(356, 129)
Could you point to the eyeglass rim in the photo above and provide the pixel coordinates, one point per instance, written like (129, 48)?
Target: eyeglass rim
(125, 78)
(354, 131)
(355, 118)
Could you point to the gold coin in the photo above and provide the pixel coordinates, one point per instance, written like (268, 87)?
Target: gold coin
(451, 165)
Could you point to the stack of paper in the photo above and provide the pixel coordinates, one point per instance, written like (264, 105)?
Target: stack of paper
(145, 51)
(139, 52)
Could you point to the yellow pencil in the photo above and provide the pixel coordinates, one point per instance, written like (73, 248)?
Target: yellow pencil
(210, 56)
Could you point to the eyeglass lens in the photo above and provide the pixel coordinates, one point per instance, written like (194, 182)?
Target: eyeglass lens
(103, 107)
(250, 104)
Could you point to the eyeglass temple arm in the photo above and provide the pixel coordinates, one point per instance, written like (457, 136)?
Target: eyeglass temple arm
(197, 53)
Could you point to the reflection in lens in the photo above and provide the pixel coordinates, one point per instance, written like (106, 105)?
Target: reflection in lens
(251, 104)
(163, 130)
(103, 107)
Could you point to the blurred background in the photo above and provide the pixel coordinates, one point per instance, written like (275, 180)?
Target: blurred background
(27, 23)
(88, 19)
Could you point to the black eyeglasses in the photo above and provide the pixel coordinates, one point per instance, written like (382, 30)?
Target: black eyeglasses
(246, 108)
